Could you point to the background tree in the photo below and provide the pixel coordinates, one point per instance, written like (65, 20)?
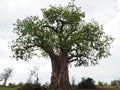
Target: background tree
(5, 75)
(34, 73)
(64, 36)
(115, 83)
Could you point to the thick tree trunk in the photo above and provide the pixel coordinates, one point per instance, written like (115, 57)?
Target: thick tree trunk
(55, 73)
(60, 74)
(63, 82)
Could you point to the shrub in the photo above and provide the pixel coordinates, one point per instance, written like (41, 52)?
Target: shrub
(11, 85)
(20, 84)
(101, 84)
(88, 83)
(30, 86)
(26, 86)
(46, 85)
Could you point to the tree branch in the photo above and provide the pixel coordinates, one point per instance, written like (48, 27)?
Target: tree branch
(74, 57)
(72, 60)
(61, 28)
(63, 22)
(51, 27)
(47, 49)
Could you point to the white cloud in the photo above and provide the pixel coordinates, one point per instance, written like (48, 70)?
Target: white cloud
(100, 10)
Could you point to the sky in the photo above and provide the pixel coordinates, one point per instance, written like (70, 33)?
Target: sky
(106, 12)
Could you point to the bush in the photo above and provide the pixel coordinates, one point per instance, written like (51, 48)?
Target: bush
(20, 84)
(88, 83)
(37, 87)
(30, 86)
(46, 85)
(11, 85)
(101, 84)
(27, 86)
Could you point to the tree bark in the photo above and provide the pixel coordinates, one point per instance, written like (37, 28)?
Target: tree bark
(60, 74)
(63, 82)
(55, 72)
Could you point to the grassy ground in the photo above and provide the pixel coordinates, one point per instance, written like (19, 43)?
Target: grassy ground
(15, 88)
(8, 88)
(103, 88)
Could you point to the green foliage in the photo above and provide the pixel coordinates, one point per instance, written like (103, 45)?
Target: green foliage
(100, 84)
(70, 13)
(87, 83)
(61, 30)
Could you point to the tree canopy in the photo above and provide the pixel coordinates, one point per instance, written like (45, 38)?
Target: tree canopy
(61, 29)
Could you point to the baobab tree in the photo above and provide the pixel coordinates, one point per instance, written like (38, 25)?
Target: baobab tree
(64, 36)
